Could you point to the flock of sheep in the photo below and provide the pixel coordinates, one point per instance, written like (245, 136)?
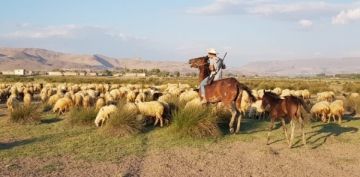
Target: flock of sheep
(148, 100)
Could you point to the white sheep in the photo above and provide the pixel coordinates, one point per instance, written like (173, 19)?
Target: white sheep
(88, 101)
(188, 96)
(27, 99)
(100, 102)
(78, 99)
(54, 98)
(62, 105)
(256, 110)
(326, 96)
(152, 109)
(321, 110)
(305, 94)
(141, 97)
(131, 96)
(336, 110)
(12, 103)
(193, 104)
(277, 91)
(104, 114)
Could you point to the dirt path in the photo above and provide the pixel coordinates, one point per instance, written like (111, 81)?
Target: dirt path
(235, 159)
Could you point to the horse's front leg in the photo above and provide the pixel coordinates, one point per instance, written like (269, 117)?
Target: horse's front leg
(233, 116)
(292, 123)
(285, 130)
(239, 122)
(270, 129)
(301, 120)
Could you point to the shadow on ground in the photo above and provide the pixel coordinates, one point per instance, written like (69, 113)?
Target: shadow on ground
(319, 137)
(13, 144)
(49, 121)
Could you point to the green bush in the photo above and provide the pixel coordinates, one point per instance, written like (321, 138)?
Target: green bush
(123, 123)
(82, 116)
(196, 122)
(25, 114)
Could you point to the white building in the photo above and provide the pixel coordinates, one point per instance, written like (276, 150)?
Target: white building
(55, 73)
(19, 72)
(8, 72)
(135, 75)
(68, 73)
(91, 74)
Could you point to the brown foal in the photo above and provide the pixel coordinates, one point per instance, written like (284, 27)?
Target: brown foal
(289, 107)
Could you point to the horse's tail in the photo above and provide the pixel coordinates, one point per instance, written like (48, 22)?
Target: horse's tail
(241, 88)
(304, 105)
(245, 88)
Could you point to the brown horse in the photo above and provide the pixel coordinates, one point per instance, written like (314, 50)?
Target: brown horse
(290, 108)
(228, 91)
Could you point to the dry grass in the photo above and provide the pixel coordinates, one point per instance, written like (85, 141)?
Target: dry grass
(196, 122)
(82, 116)
(123, 123)
(26, 114)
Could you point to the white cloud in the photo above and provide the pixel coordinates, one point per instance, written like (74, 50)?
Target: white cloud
(304, 23)
(67, 31)
(268, 7)
(314, 7)
(346, 16)
(125, 37)
(43, 32)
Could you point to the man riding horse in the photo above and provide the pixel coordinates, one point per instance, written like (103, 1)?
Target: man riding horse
(228, 91)
(216, 66)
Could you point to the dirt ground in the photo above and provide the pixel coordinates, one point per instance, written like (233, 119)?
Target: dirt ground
(226, 158)
(236, 159)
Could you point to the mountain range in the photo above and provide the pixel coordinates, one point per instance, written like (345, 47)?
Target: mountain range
(46, 60)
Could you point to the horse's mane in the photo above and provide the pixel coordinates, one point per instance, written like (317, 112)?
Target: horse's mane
(202, 57)
(272, 95)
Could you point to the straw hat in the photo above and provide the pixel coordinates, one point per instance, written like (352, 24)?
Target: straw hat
(212, 51)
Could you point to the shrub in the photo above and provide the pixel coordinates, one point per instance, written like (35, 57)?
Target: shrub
(25, 114)
(123, 123)
(196, 122)
(82, 116)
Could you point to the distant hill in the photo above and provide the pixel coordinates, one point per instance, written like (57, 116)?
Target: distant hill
(45, 60)
(302, 67)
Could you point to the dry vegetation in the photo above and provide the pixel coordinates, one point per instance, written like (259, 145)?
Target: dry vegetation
(129, 144)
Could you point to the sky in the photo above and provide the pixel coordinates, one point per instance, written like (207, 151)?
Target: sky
(249, 30)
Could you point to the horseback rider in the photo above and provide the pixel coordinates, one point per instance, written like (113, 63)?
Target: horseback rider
(216, 66)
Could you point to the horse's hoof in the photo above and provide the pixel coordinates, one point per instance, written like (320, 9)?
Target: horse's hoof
(231, 130)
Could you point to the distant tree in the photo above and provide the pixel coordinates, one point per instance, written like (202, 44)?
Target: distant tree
(177, 73)
(108, 73)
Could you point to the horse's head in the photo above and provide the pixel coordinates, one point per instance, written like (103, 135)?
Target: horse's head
(269, 99)
(198, 62)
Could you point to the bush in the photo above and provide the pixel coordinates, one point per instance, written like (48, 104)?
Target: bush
(196, 122)
(25, 114)
(123, 123)
(82, 116)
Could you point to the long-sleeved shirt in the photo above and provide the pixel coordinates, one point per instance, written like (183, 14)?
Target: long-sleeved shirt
(217, 64)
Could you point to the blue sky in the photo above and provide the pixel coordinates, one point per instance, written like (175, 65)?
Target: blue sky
(249, 30)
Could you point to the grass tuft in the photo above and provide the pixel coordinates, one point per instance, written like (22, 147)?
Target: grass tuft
(196, 123)
(82, 116)
(26, 114)
(123, 123)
